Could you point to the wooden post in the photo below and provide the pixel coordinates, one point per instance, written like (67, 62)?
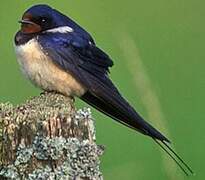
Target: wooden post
(46, 138)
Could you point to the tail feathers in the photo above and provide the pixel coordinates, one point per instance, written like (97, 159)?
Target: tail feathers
(154, 133)
(120, 110)
(175, 157)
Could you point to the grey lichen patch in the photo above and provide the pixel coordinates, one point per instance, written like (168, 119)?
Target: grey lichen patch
(85, 124)
(10, 172)
(46, 138)
(46, 148)
(42, 173)
(81, 159)
(23, 155)
(84, 161)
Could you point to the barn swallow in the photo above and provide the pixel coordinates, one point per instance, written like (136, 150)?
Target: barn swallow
(56, 54)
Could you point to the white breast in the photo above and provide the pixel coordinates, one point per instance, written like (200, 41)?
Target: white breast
(40, 69)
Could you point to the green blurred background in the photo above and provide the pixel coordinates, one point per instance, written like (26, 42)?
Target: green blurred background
(158, 50)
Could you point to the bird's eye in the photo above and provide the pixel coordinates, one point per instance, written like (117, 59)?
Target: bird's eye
(43, 20)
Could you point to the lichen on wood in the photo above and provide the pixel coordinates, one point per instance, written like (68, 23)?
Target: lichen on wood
(46, 138)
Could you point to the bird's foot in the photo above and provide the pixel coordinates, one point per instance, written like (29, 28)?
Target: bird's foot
(72, 98)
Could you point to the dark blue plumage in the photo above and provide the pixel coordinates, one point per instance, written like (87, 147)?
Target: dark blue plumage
(90, 66)
(68, 48)
(57, 19)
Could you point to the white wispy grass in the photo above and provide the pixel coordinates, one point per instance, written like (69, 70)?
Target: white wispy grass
(149, 98)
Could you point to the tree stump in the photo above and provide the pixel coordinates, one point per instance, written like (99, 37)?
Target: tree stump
(46, 138)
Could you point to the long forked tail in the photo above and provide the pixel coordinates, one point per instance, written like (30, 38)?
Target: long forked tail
(120, 110)
(176, 158)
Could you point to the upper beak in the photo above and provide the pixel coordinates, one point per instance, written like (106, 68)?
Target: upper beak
(28, 26)
(26, 22)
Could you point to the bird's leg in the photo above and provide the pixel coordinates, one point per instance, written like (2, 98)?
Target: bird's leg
(43, 93)
(46, 91)
(72, 98)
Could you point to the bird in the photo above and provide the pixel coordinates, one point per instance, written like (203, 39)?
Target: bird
(57, 54)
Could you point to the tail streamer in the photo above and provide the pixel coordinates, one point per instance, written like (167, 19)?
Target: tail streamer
(175, 157)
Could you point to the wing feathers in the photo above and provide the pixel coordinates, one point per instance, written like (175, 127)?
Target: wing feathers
(78, 55)
(90, 65)
(114, 105)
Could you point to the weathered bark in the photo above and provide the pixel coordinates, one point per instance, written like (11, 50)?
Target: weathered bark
(46, 138)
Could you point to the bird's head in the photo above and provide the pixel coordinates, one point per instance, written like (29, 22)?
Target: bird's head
(40, 18)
